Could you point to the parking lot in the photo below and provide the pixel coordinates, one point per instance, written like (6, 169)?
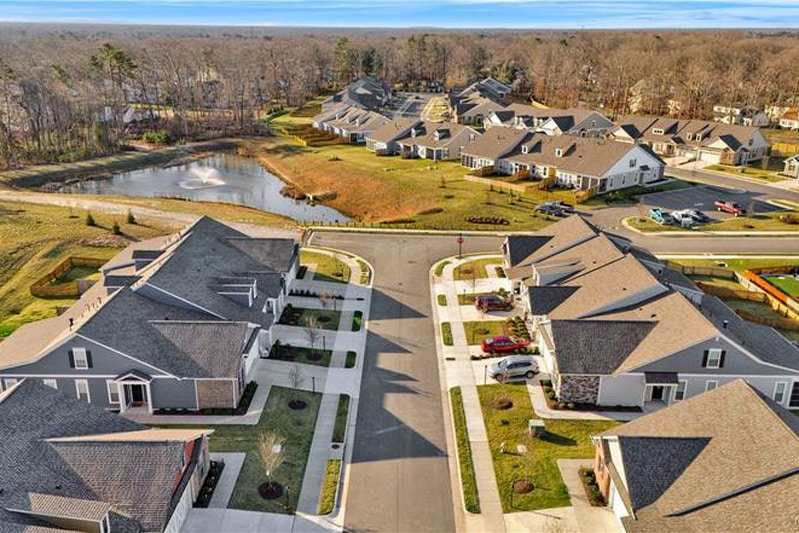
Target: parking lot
(409, 104)
(702, 199)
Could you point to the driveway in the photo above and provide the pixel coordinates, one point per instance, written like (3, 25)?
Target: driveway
(399, 477)
(703, 198)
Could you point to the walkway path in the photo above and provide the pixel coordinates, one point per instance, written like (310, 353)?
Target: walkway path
(227, 481)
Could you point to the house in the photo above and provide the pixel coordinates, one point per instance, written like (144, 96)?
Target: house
(612, 329)
(353, 124)
(775, 111)
(473, 110)
(791, 167)
(67, 465)
(383, 140)
(725, 460)
(368, 93)
(741, 115)
(581, 163)
(700, 140)
(436, 140)
(490, 88)
(176, 323)
(790, 119)
(579, 122)
(486, 152)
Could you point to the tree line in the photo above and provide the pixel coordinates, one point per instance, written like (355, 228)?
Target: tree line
(67, 95)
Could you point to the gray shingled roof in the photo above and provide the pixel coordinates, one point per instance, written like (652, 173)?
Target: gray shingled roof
(211, 250)
(763, 341)
(544, 299)
(29, 414)
(216, 347)
(522, 246)
(652, 464)
(596, 346)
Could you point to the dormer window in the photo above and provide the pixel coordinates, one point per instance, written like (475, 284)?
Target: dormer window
(657, 131)
(525, 149)
(698, 137)
(558, 152)
(690, 137)
(414, 133)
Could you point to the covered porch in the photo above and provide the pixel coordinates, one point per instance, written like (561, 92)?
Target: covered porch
(660, 390)
(135, 391)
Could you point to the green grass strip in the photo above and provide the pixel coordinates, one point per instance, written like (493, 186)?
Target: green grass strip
(468, 482)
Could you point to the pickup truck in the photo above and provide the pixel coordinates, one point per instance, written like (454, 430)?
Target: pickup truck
(730, 207)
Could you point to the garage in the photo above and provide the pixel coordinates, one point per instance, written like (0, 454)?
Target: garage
(709, 157)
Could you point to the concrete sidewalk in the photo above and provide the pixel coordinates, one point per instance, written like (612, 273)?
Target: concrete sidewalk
(589, 518)
(227, 481)
(316, 468)
(540, 407)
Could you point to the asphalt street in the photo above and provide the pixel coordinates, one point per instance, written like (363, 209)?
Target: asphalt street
(400, 478)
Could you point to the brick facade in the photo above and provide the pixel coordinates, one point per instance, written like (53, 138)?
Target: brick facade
(602, 473)
(578, 389)
(216, 393)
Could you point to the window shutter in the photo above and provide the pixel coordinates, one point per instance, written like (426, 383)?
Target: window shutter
(721, 359)
(704, 359)
(89, 358)
(71, 359)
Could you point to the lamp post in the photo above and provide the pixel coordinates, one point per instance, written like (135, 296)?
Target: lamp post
(313, 384)
(485, 374)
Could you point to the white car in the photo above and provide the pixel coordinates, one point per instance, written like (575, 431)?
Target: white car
(683, 219)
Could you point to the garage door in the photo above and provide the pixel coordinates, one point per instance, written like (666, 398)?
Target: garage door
(709, 157)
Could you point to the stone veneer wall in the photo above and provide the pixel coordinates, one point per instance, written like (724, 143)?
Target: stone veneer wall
(579, 389)
(215, 393)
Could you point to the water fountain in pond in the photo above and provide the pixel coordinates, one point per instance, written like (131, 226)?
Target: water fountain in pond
(202, 178)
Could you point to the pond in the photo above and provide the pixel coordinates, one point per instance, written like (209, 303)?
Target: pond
(218, 178)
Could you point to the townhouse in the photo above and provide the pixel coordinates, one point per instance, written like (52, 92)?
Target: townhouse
(579, 122)
(725, 460)
(177, 323)
(741, 115)
(616, 329)
(789, 120)
(574, 162)
(67, 465)
(791, 167)
(700, 140)
(354, 112)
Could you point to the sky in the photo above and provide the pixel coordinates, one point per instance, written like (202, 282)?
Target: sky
(411, 13)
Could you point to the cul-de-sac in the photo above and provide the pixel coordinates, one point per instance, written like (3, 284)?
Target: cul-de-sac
(433, 267)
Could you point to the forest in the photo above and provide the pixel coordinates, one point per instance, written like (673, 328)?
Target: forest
(69, 93)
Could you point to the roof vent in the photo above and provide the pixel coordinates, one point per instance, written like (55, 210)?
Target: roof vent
(653, 315)
(725, 324)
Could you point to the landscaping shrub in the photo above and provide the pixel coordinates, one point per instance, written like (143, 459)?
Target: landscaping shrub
(157, 137)
(399, 221)
(789, 219)
(115, 228)
(329, 487)
(446, 333)
(356, 320)
(432, 211)
(90, 220)
(131, 219)
(591, 487)
(497, 221)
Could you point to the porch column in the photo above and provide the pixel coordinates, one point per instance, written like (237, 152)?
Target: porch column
(149, 398)
(123, 400)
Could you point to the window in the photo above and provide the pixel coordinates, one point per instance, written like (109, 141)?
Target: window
(698, 137)
(9, 382)
(658, 131)
(679, 392)
(53, 384)
(633, 163)
(714, 358)
(82, 388)
(558, 152)
(710, 385)
(113, 391)
(779, 391)
(794, 400)
(80, 359)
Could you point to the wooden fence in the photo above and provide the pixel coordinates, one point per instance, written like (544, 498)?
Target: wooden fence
(498, 185)
(723, 292)
(714, 272)
(44, 287)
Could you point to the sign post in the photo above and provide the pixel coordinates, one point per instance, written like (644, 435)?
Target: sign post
(460, 245)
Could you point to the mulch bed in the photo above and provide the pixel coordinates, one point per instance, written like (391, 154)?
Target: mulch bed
(297, 405)
(271, 490)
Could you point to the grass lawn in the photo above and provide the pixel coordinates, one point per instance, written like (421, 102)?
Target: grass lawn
(442, 299)
(479, 330)
(35, 238)
(477, 269)
(565, 439)
(787, 284)
(352, 357)
(723, 283)
(297, 427)
(468, 482)
(78, 272)
(446, 333)
(357, 318)
(370, 188)
(340, 429)
(366, 272)
(328, 499)
(763, 222)
(440, 267)
(328, 268)
(325, 318)
(754, 170)
(739, 264)
(303, 355)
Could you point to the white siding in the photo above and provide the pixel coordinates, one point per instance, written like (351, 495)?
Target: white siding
(627, 389)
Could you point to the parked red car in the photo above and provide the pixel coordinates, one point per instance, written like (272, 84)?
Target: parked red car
(504, 344)
(730, 207)
(493, 302)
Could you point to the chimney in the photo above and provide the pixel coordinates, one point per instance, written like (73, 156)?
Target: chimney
(71, 323)
(725, 323)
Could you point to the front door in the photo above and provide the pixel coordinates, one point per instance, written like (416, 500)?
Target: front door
(657, 393)
(137, 395)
